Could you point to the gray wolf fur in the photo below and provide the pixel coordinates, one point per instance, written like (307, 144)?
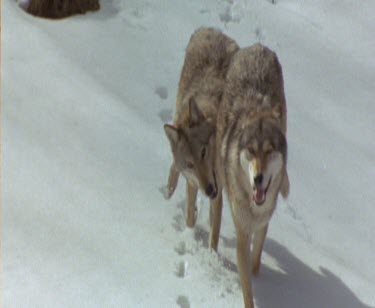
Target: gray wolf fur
(192, 136)
(252, 152)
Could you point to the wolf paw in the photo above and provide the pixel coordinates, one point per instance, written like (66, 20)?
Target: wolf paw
(170, 190)
(167, 191)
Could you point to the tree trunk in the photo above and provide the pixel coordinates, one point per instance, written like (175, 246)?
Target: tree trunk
(61, 8)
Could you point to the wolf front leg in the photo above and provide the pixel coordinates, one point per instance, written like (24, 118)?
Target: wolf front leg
(191, 209)
(243, 266)
(257, 248)
(172, 181)
(216, 206)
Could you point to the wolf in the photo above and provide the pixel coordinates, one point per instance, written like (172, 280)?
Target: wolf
(192, 136)
(252, 152)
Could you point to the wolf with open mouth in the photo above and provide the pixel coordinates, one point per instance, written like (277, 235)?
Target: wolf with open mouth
(252, 151)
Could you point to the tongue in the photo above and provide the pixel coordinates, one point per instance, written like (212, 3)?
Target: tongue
(259, 196)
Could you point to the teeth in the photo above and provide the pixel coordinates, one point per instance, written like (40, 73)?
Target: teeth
(259, 194)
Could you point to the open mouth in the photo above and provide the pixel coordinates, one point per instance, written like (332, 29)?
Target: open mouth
(259, 194)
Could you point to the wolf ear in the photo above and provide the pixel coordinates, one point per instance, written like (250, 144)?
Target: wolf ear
(196, 116)
(172, 134)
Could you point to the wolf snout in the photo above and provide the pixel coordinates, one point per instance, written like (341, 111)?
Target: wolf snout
(211, 191)
(258, 180)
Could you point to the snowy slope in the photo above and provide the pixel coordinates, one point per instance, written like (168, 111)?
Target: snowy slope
(84, 157)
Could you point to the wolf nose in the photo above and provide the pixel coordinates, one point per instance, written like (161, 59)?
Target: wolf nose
(209, 190)
(258, 179)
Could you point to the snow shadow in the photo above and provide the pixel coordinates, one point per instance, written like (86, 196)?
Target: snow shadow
(298, 285)
(294, 284)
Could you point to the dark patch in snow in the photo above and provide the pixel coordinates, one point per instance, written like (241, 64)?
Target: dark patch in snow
(204, 11)
(229, 242)
(162, 92)
(178, 223)
(137, 13)
(165, 115)
(180, 269)
(228, 264)
(227, 16)
(180, 248)
(259, 34)
(183, 301)
(201, 235)
(229, 290)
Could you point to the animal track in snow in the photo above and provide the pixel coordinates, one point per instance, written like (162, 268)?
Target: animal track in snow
(136, 15)
(181, 269)
(232, 12)
(183, 301)
(165, 115)
(181, 248)
(292, 212)
(204, 11)
(162, 92)
(178, 223)
(228, 16)
(259, 34)
(201, 235)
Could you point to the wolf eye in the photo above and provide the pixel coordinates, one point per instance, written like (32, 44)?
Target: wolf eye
(189, 165)
(203, 153)
(251, 151)
(268, 152)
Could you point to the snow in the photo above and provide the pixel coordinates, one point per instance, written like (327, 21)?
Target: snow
(84, 157)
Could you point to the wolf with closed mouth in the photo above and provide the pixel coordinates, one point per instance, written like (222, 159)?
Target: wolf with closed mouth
(252, 152)
(192, 136)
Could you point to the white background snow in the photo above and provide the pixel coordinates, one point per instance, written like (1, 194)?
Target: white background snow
(84, 156)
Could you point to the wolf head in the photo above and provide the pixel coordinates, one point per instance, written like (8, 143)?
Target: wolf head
(193, 148)
(263, 154)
